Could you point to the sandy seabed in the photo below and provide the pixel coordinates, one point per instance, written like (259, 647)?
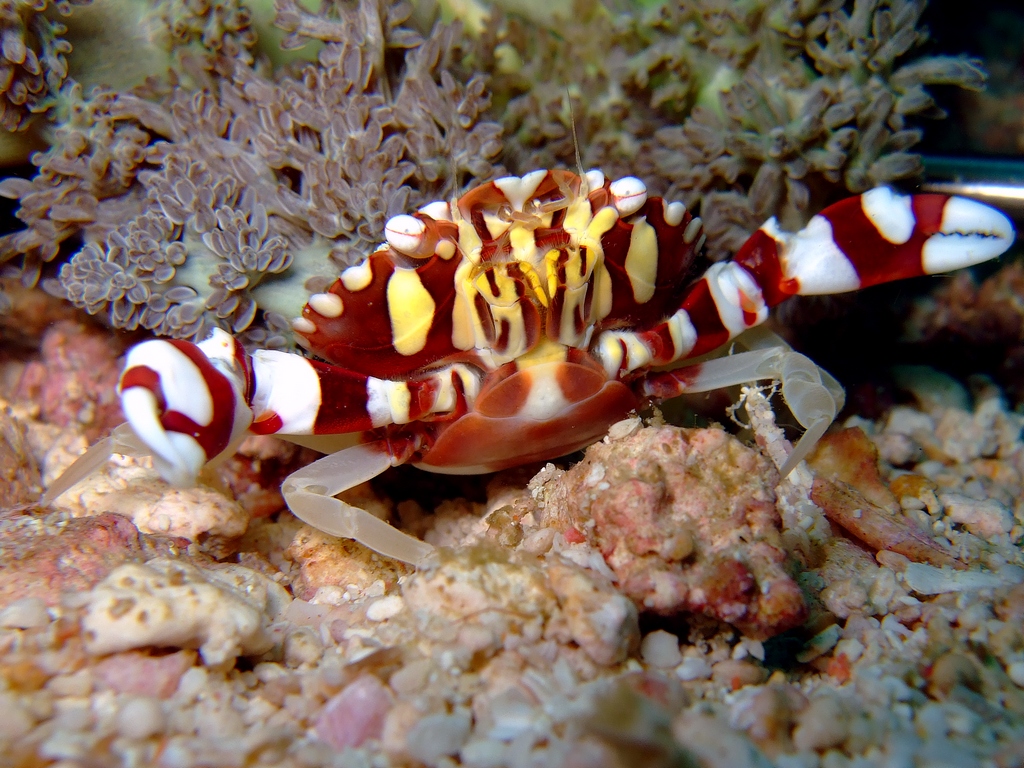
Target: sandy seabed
(666, 601)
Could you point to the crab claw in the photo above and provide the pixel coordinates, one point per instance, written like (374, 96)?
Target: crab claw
(187, 402)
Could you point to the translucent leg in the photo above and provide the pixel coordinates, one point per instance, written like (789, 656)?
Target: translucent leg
(812, 394)
(310, 493)
(122, 440)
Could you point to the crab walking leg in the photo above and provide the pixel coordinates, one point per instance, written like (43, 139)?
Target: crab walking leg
(812, 394)
(876, 237)
(310, 493)
(122, 440)
(297, 396)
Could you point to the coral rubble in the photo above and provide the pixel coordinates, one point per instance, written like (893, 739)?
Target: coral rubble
(534, 639)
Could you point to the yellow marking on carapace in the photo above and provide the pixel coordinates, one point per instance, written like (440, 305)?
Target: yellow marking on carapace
(411, 309)
(601, 306)
(466, 329)
(469, 240)
(642, 260)
(507, 294)
(551, 269)
(571, 301)
(578, 216)
(546, 351)
(513, 316)
(495, 227)
(574, 289)
(503, 306)
(534, 282)
(590, 239)
(524, 245)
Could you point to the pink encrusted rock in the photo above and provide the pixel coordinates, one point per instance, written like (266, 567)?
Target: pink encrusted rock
(603, 622)
(142, 674)
(356, 714)
(37, 562)
(686, 519)
(328, 561)
(76, 380)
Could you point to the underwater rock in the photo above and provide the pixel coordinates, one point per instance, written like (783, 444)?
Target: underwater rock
(356, 714)
(601, 621)
(223, 613)
(76, 380)
(501, 596)
(686, 519)
(132, 488)
(43, 557)
(142, 674)
(329, 561)
(986, 318)
(874, 526)
(849, 455)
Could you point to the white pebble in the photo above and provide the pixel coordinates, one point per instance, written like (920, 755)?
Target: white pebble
(302, 646)
(436, 736)
(539, 541)
(986, 518)
(385, 608)
(140, 717)
(26, 613)
(192, 683)
(1016, 673)
(16, 720)
(929, 580)
(329, 595)
(693, 668)
(661, 649)
(484, 753)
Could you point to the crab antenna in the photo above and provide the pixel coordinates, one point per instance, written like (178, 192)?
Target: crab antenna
(584, 191)
(453, 169)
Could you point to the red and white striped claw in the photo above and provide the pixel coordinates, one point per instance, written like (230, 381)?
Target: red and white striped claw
(874, 238)
(186, 402)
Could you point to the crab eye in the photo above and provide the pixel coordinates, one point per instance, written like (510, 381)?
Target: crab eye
(405, 234)
(628, 195)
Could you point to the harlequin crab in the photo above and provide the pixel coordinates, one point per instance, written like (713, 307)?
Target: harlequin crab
(516, 324)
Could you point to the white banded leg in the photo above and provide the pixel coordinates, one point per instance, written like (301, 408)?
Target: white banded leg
(812, 394)
(310, 493)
